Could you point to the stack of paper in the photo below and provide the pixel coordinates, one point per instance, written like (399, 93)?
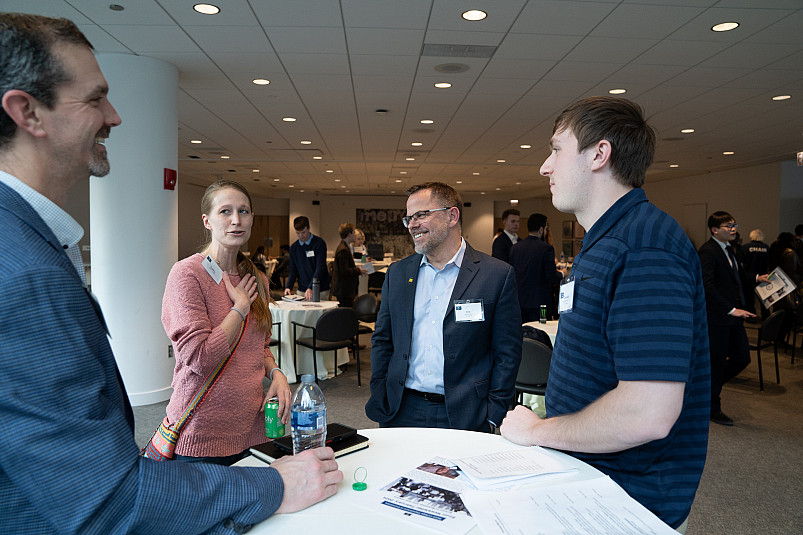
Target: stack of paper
(501, 469)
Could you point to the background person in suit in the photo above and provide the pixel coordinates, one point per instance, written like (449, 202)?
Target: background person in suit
(724, 282)
(503, 242)
(533, 259)
(447, 344)
(754, 256)
(345, 273)
(307, 262)
(60, 385)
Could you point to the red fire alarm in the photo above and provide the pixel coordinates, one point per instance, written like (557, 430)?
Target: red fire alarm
(170, 178)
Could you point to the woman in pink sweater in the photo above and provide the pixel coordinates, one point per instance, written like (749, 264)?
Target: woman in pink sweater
(203, 318)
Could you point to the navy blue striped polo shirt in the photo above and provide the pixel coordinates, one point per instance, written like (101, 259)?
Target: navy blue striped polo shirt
(638, 314)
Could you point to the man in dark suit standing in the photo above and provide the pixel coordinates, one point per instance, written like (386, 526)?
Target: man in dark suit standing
(447, 344)
(725, 294)
(60, 385)
(345, 273)
(533, 259)
(500, 248)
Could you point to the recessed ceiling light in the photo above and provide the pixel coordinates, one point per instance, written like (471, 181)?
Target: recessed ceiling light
(337, 180)
(289, 119)
(276, 179)
(260, 81)
(498, 189)
(782, 97)
(301, 190)
(673, 165)
(459, 182)
(443, 85)
(290, 185)
(482, 193)
(196, 141)
(410, 159)
(206, 9)
(514, 202)
(501, 161)
(305, 142)
(475, 174)
(526, 146)
(416, 143)
(725, 26)
(329, 171)
(728, 152)
(617, 91)
(224, 157)
(317, 157)
(427, 121)
(474, 14)
(344, 187)
(398, 180)
(687, 131)
(518, 183)
(402, 172)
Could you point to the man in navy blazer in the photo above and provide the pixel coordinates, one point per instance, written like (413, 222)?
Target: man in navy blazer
(725, 298)
(500, 248)
(447, 343)
(68, 459)
(533, 259)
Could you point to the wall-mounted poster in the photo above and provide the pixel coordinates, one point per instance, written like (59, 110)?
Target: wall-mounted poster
(383, 229)
(567, 230)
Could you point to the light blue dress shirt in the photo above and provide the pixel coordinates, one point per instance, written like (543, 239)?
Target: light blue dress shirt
(432, 294)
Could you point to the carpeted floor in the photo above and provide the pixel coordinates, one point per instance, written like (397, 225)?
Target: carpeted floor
(753, 479)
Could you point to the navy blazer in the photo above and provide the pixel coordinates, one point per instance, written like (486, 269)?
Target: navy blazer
(500, 248)
(68, 459)
(721, 284)
(534, 263)
(481, 358)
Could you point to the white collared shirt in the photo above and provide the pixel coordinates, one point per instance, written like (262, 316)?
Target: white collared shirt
(513, 237)
(432, 293)
(66, 229)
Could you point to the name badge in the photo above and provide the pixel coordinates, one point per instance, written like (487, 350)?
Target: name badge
(566, 298)
(310, 254)
(213, 269)
(469, 311)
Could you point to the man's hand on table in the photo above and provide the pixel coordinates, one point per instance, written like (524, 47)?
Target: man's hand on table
(519, 424)
(309, 477)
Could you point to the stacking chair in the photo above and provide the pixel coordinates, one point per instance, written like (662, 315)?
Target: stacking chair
(276, 340)
(769, 334)
(533, 370)
(335, 329)
(366, 307)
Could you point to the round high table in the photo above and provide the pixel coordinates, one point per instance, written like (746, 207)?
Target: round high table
(394, 451)
(305, 313)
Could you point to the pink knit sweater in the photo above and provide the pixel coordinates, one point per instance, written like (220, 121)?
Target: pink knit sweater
(231, 417)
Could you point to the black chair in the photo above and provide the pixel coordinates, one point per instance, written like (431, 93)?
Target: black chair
(769, 334)
(276, 340)
(533, 370)
(375, 282)
(335, 329)
(366, 306)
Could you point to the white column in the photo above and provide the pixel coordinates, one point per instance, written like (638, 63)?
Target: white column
(134, 221)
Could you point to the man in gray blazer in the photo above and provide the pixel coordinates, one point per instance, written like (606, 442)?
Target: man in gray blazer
(68, 459)
(447, 344)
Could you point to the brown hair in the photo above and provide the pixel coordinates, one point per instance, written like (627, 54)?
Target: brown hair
(619, 121)
(260, 310)
(445, 194)
(344, 230)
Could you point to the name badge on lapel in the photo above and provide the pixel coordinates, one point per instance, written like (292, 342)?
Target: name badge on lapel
(566, 298)
(213, 269)
(310, 254)
(469, 310)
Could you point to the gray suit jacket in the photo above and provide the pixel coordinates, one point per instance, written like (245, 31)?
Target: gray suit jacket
(481, 359)
(68, 460)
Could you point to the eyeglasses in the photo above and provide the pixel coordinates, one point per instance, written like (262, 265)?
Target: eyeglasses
(421, 216)
(730, 226)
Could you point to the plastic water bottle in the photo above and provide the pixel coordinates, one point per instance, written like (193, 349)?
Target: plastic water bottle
(562, 258)
(308, 416)
(316, 290)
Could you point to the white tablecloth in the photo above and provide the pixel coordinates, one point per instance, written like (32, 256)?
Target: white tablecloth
(307, 314)
(392, 452)
(550, 327)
